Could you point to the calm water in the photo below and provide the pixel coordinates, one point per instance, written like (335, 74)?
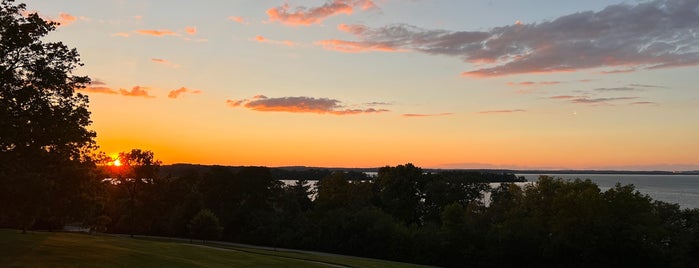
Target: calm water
(680, 189)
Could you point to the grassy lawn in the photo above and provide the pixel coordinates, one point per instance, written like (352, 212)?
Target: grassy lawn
(40, 249)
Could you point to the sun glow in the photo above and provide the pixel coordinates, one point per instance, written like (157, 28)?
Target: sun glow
(116, 163)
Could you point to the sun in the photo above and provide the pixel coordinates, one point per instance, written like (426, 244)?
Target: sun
(114, 160)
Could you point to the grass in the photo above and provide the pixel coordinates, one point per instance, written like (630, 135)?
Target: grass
(41, 249)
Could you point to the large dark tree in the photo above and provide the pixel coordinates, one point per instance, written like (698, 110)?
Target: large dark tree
(43, 134)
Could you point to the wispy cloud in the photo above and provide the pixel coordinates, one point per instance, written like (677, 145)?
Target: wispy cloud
(121, 34)
(157, 33)
(646, 86)
(299, 105)
(532, 83)
(177, 92)
(136, 91)
(618, 89)
(190, 30)
(502, 111)
(564, 97)
(644, 103)
(65, 19)
(100, 87)
(587, 100)
(165, 62)
(238, 19)
(645, 36)
(262, 39)
(312, 15)
(426, 115)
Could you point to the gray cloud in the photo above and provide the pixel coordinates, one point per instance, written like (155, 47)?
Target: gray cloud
(585, 100)
(649, 35)
(426, 115)
(299, 105)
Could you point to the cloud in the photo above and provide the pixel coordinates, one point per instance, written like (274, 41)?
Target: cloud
(239, 20)
(531, 83)
(587, 100)
(646, 36)
(177, 92)
(612, 89)
(644, 103)
(378, 103)
(502, 111)
(190, 30)
(120, 34)
(157, 33)
(646, 86)
(165, 62)
(353, 47)
(98, 89)
(262, 39)
(98, 86)
(136, 91)
(426, 115)
(262, 103)
(65, 19)
(564, 97)
(307, 16)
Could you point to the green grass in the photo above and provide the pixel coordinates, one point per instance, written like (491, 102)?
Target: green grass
(41, 249)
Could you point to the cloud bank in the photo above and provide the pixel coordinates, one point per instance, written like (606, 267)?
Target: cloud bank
(262, 103)
(619, 38)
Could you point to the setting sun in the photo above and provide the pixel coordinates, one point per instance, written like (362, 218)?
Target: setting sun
(116, 163)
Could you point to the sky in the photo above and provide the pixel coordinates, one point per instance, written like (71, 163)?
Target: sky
(364, 83)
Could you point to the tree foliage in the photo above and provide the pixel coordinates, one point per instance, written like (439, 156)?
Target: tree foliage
(44, 140)
(205, 226)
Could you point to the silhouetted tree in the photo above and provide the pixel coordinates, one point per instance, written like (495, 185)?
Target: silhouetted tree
(135, 176)
(205, 226)
(43, 121)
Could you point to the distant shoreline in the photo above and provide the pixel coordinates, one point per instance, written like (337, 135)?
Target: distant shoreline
(513, 171)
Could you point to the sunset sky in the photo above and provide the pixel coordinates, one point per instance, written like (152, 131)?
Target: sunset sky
(364, 83)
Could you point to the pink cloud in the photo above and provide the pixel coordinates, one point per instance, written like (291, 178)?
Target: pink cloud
(308, 16)
(355, 47)
(531, 83)
(190, 30)
(237, 19)
(262, 39)
(502, 111)
(65, 19)
(177, 92)
(157, 33)
(262, 103)
(136, 91)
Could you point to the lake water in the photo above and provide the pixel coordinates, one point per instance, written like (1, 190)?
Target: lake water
(680, 189)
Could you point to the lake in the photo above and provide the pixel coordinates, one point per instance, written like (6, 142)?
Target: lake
(680, 189)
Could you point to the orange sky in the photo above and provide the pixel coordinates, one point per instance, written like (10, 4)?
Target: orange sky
(362, 83)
